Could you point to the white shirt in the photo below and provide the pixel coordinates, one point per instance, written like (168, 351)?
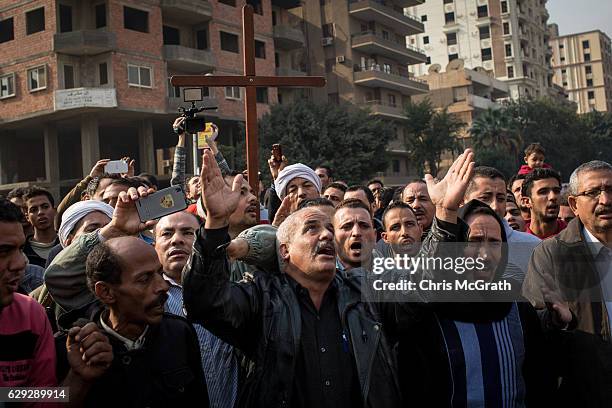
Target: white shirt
(603, 266)
(129, 344)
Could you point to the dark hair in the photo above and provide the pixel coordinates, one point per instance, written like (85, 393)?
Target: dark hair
(328, 170)
(127, 182)
(535, 175)
(514, 178)
(150, 178)
(487, 172)
(352, 203)
(102, 265)
(393, 206)
(416, 180)
(337, 186)
(363, 188)
(36, 191)
(9, 212)
(93, 184)
(534, 148)
(510, 197)
(315, 202)
(17, 192)
(375, 181)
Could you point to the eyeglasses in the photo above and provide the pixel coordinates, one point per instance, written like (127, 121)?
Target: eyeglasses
(596, 192)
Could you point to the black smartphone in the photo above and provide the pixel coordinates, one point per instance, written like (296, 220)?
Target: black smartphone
(163, 202)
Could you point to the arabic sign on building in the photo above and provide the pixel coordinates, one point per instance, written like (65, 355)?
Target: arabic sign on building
(85, 98)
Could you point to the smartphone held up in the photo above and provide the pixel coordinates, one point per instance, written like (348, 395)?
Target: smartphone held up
(162, 203)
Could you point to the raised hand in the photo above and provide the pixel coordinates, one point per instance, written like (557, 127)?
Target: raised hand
(131, 167)
(288, 206)
(219, 199)
(89, 352)
(126, 220)
(276, 167)
(98, 169)
(449, 192)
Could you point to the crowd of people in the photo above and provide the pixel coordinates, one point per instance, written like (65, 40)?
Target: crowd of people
(262, 298)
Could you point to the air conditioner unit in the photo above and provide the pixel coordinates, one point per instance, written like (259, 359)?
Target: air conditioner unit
(485, 43)
(487, 65)
(449, 8)
(325, 41)
(482, 2)
(453, 49)
(473, 13)
(340, 59)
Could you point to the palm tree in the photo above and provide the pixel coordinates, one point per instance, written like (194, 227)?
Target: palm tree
(495, 128)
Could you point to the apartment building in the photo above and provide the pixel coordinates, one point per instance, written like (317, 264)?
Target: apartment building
(508, 38)
(85, 79)
(582, 65)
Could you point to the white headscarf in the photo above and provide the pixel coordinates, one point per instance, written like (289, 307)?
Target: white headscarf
(289, 173)
(76, 212)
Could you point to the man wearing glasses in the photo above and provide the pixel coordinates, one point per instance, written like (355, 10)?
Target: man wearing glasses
(575, 267)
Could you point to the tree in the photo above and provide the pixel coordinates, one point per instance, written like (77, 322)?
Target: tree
(495, 128)
(599, 126)
(344, 137)
(429, 134)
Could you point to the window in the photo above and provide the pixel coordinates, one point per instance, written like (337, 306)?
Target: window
(232, 92)
(257, 6)
(6, 30)
(561, 46)
(68, 76)
(139, 76)
(506, 28)
(564, 83)
(385, 35)
(451, 38)
(35, 21)
(508, 50)
(586, 45)
(260, 49)
(7, 86)
(591, 95)
(426, 39)
(448, 1)
(428, 61)
(563, 71)
(452, 57)
(134, 19)
(228, 2)
(261, 94)
(392, 101)
(485, 32)
(483, 11)
(589, 82)
(486, 54)
(395, 165)
(229, 42)
(173, 91)
(588, 69)
(172, 36)
(328, 30)
(330, 63)
(510, 71)
(423, 18)
(65, 16)
(100, 15)
(587, 57)
(202, 40)
(103, 73)
(387, 68)
(37, 78)
(504, 6)
(562, 59)
(449, 18)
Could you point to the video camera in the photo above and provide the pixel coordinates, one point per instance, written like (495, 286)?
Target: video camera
(194, 123)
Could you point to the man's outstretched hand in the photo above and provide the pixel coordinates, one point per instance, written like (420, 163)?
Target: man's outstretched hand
(219, 199)
(126, 220)
(448, 194)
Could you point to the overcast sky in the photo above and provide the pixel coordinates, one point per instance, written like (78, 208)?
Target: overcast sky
(575, 16)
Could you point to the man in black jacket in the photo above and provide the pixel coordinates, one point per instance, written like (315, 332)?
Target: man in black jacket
(313, 339)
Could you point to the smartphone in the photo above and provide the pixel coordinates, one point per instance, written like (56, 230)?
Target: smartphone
(162, 203)
(116, 167)
(277, 152)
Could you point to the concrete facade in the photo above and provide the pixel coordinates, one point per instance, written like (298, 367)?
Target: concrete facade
(582, 65)
(508, 38)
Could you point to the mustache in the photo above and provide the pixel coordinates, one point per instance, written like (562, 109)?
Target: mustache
(161, 301)
(603, 210)
(327, 246)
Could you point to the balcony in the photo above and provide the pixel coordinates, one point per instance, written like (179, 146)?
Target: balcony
(189, 60)
(371, 44)
(286, 4)
(283, 71)
(375, 78)
(375, 10)
(481, 103)
(172, 104)
(76, 98)
(287, 37)
(379, 108)
(409, 3)
(187, 11)
(84, 42)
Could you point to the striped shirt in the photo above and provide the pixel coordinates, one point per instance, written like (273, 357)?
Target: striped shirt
(218, 359)
(486, 361)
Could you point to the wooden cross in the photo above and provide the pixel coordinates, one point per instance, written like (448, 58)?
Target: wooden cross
(249, 81)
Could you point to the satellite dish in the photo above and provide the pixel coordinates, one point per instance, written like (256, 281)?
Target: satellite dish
(434, 68)
(455, 65)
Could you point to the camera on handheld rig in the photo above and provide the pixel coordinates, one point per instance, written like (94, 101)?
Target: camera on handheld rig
(194, 123)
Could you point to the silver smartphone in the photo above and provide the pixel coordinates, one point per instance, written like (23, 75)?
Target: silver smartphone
(116, 167)
(162, 203)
